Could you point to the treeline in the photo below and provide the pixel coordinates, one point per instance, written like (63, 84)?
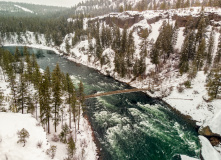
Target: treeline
(167, 4)
(9, 9)
(54, 29)
(46, 93)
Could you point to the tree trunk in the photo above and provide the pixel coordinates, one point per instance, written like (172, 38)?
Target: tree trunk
(48, 125)
(79, 115)
(36, 111)
(55, 123)
(70, 111)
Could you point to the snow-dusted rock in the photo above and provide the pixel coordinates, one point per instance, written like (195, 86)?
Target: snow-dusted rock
(207, 151)
(212, 127)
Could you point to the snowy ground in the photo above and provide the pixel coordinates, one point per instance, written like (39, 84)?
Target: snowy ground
(10, 124)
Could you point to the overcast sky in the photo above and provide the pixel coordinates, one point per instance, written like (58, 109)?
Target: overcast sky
(63, 3)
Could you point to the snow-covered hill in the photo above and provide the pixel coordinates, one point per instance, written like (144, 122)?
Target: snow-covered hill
(10, 124)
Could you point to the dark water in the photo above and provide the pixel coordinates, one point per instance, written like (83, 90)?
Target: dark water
(128, 126)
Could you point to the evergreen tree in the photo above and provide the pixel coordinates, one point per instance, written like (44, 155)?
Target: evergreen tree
(69, 89)
(45, 99)
(210, 48)
(200, 54)
(22, 93)
(123, 42)
(74, 109)
(36, 76)
(201, 28)
(154, 56)
(81, 98)
(214, 82)
(56, 94)
(70, 147)
(217, 59)
(187, 52)
(64, 133)
(103, 36)
(17, 54)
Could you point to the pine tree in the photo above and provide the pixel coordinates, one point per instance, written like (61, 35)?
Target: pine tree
(64, 133)
(214, 82)
(184, 63)
(70, 147)
(103, 36)
(154, 56)
(81, 98)
(200, 54)
(123, 42)
(201, 28)
(210, 49)
(217, 59)
(45, 100)
(22, 94)
(73, 109)
(116, 45)
(56, 92)
(187, 52)
(17, 54)
(36, 76)
(69, 89)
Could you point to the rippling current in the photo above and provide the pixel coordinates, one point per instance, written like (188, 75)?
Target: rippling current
(129, 126)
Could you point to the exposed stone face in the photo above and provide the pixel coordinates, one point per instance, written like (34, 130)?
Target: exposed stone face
(214, 141)
(205, 131)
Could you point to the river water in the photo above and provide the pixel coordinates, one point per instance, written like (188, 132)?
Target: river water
(129, 126)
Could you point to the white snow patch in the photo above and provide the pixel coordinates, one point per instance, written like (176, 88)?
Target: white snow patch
(184, 157)
(24, 9)
(207, 151)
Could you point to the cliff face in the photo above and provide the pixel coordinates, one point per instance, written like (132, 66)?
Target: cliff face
(128, 19)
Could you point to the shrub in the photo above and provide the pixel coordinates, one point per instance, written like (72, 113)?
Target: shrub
(180, 88)
(39, 144)
(22, 135)
(64, 133)
(55, 138)
(187, 84)
(51, 151)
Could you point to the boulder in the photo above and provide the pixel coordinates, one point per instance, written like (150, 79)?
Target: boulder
(205, 131)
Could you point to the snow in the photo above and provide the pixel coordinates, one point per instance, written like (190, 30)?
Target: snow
(207, 151)
(180, 39)
(191, 102)
(24, 9)
(184, 157)
(214, 123)
(155, 30)
(10, 124)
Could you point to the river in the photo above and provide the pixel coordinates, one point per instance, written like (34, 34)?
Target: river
(131, 126)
